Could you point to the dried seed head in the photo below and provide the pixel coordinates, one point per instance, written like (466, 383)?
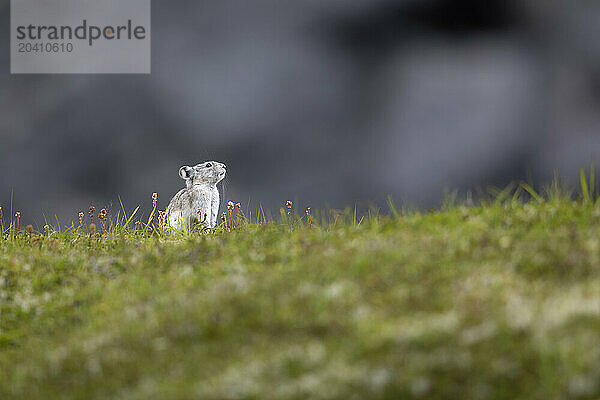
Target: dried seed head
(230, 205)
(238, 205)
(18, 214)
(30, 229)
(92, 228)
(81, 219)
(289, 204)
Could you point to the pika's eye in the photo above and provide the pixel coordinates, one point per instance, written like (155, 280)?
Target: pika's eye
(208, 165)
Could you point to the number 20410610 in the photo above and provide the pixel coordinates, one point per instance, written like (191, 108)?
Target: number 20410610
(29, 47)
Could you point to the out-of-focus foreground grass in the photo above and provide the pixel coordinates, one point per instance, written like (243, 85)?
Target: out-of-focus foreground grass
(494, 301)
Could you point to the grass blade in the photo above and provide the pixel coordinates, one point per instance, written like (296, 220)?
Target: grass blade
(532, 192)
(584, 186)
(392, 207)
(131, 217)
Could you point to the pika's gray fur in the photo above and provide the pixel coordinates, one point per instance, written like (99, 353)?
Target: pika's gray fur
(199, 200)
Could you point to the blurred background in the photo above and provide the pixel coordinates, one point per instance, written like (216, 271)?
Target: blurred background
(330, 102)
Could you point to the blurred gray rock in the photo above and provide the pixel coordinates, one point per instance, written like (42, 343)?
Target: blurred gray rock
(332, 103)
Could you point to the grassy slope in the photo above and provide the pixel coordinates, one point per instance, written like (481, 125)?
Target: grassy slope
(492, 302)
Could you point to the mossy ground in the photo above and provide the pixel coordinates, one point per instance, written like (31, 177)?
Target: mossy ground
(498, 301)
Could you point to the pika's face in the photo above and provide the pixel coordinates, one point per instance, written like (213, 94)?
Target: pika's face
(209, 172)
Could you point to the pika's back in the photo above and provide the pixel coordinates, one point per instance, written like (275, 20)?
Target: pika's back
(181, 201)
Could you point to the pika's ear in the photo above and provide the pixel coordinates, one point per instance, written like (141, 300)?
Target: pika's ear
(185, 172)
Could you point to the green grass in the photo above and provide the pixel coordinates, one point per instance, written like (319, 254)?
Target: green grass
(497, 301)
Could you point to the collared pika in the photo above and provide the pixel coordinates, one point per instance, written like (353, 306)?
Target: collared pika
(199, 200)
